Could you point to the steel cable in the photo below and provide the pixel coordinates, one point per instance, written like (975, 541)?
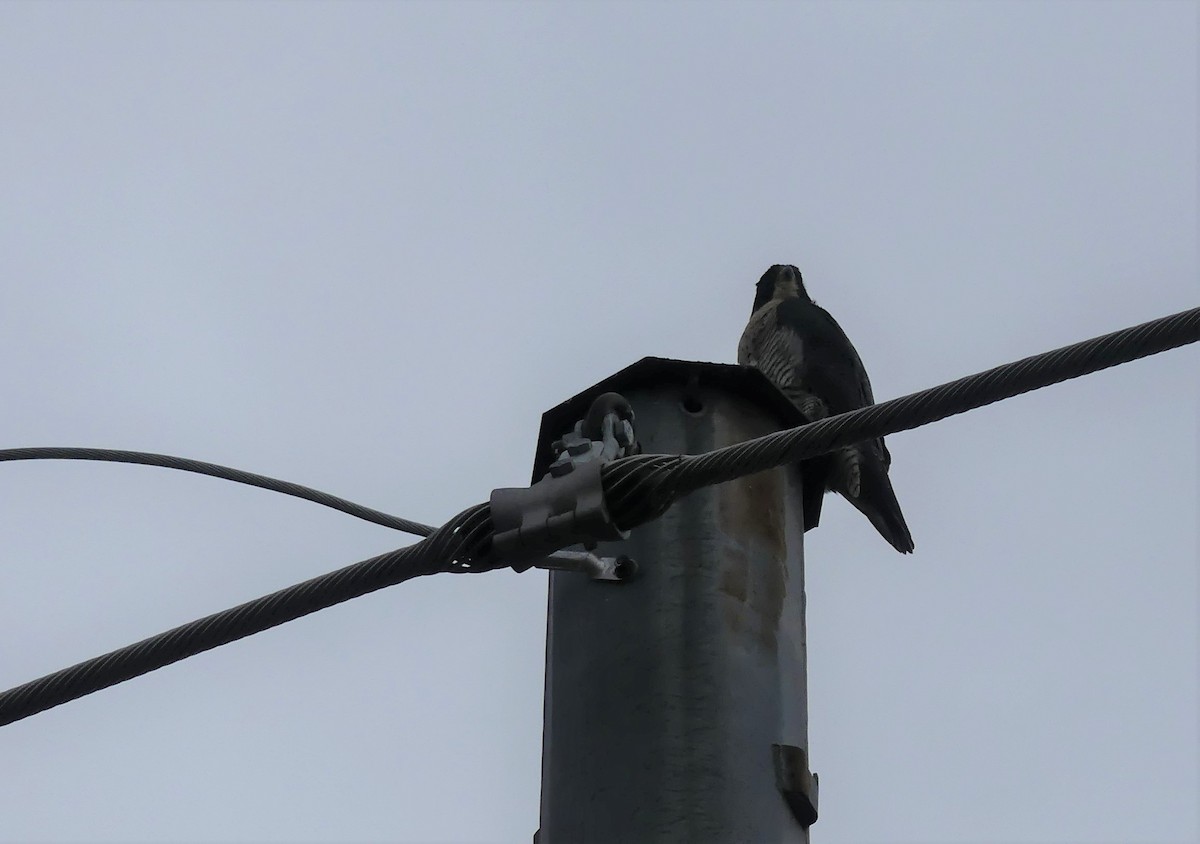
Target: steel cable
(641, 488)
(637, 489)
(166, 461)
(461, 545)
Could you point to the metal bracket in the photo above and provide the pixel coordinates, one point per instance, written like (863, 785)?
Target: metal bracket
(613, 569)
(566, 507)
(536, 521)
(605, 434)
(796, 783)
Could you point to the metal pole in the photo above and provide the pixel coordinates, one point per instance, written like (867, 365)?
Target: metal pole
(676, 702)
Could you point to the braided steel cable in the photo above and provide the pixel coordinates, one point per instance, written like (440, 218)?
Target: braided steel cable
(637, 489)
(461, 545)
(166, 461)
(641, 488)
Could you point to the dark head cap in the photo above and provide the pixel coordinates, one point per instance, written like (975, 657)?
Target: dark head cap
(765, 289)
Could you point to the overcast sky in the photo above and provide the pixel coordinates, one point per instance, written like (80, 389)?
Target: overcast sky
(364, 247)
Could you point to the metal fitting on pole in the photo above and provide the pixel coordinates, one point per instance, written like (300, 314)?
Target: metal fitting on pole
(566, 507)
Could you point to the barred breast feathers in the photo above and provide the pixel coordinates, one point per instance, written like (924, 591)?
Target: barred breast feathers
(778, 352)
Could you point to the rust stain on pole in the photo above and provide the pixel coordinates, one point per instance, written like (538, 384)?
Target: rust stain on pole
(750, 513)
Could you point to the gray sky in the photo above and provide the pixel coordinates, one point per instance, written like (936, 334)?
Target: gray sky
(365, 246)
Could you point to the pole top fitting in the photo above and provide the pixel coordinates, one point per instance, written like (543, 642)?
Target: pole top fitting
(566, 507)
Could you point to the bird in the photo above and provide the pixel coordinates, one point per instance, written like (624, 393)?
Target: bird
(803, 351)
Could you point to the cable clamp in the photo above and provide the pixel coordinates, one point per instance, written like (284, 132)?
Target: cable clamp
(566, 507)
(605, 434)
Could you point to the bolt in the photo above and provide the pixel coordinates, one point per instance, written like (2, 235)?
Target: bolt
(624, 568)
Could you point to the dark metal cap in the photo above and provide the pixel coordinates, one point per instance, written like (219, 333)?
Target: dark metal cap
(659, 373)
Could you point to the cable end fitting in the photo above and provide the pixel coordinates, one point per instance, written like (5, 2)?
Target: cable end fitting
(566, 507)
(558, 511)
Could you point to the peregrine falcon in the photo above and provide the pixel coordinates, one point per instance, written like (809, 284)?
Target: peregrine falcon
(805, 353)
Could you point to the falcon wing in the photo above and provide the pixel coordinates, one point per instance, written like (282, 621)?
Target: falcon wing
(828, 364)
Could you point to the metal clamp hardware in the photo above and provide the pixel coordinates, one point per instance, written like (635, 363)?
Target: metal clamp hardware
(614, 569)
(605, 434)
(555, 512)
(566, 507)
(796, 783)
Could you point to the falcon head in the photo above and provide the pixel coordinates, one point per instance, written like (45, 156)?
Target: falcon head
(781, 281)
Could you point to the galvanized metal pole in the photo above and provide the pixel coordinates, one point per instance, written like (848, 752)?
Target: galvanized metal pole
(676, 702)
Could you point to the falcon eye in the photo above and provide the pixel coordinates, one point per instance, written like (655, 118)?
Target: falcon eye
(691, 404)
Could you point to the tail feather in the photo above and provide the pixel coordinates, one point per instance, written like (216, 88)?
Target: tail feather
(876, 500)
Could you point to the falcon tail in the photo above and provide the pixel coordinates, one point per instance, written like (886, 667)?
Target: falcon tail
(877, 501)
